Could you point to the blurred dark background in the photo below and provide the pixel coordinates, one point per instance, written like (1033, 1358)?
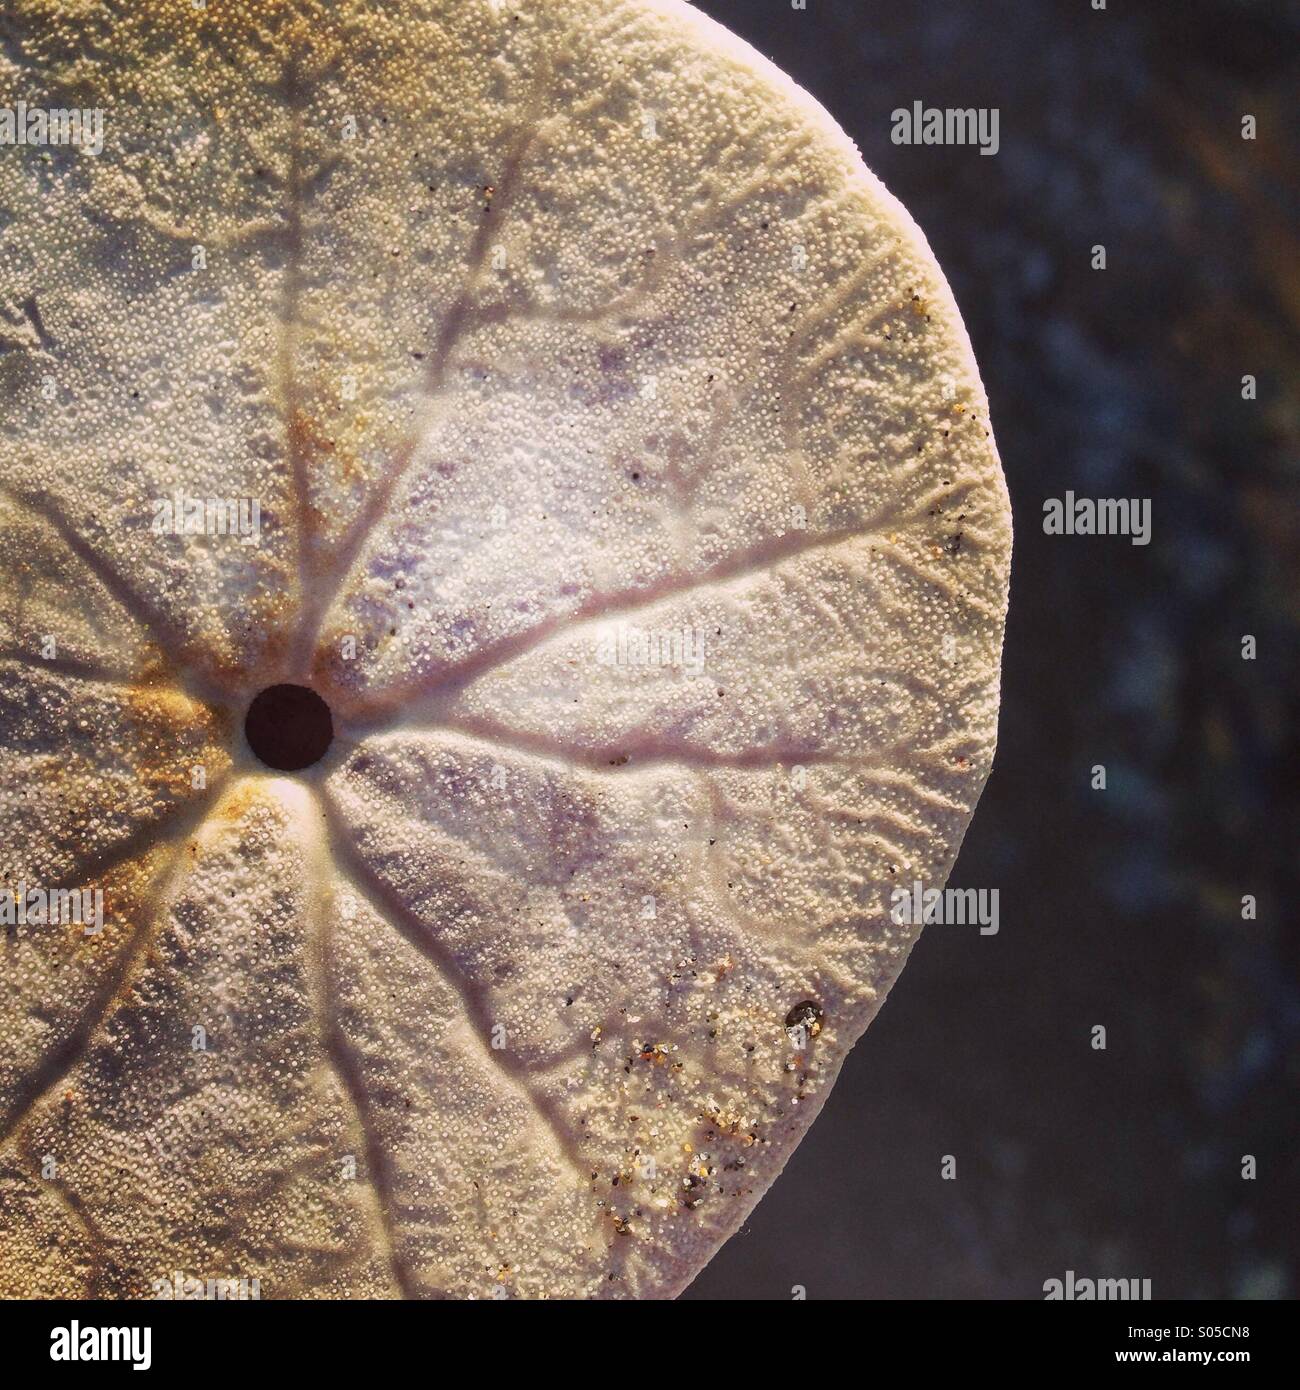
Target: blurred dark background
(1122, 907)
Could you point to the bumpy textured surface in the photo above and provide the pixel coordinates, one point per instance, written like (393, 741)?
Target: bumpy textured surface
(548, 337)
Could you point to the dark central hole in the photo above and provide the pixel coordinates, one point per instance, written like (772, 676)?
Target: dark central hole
(289, 727)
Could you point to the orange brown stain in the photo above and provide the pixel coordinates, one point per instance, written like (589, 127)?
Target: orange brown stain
(174, 733)
(238, 803)
(309, 437)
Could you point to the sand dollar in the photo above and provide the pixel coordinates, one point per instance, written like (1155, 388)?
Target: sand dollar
(547, 406)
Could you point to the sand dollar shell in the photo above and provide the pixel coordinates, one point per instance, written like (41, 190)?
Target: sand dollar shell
(550, 389)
